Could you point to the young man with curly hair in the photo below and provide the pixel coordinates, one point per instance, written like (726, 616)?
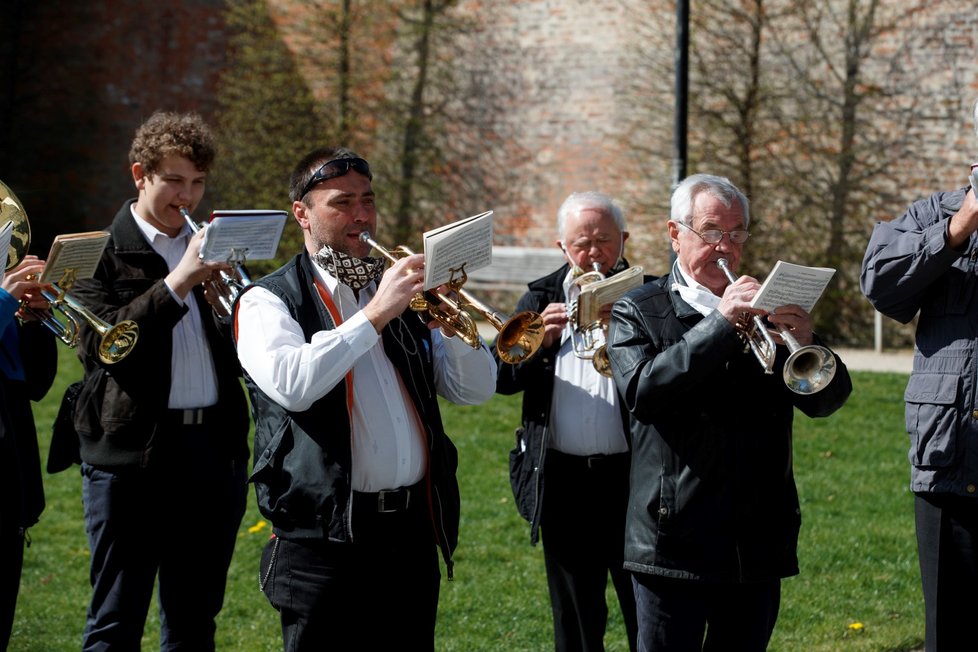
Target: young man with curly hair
(162, 431)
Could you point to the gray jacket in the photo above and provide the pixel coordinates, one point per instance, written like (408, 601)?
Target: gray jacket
(909, 268)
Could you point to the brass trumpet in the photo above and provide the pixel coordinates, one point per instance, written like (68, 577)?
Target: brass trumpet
(116, 341)
(519, 335)
(809, 369)
(229, 287)
(585, 338)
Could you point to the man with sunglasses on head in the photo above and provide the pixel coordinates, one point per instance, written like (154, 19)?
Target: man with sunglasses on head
(569, 469)
(713, 515)
(352, 464)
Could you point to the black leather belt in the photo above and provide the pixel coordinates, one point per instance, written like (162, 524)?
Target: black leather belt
(588, 461)
(390, 500)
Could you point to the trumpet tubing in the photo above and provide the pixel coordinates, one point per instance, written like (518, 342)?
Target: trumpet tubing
(229, 287)
(519, 336)
(583, 336)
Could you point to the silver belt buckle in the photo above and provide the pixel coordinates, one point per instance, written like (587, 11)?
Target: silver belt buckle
(193, 417)
(381, 500)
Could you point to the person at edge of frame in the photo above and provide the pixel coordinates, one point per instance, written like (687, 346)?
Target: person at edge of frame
(922, 264)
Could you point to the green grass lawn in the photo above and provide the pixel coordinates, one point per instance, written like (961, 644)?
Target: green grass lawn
(858, 588)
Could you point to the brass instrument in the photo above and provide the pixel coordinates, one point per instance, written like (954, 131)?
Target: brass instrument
(116, 341)
(519, 335)
(588, 339)
(808, 369)
(12, 210)
(229, 287)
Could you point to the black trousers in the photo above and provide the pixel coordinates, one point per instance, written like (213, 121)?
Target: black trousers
(11, 565)
(178, 520)
(377, 592)
(689, 616)
(583, 532)
(947, 547)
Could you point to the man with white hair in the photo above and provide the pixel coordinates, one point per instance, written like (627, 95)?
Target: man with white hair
(713, 513)
(574, 429)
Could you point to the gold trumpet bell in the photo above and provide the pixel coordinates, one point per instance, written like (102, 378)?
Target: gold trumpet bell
(12, 210)
(520, 337)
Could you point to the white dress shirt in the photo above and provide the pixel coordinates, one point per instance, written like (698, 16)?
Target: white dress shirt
(584, 414)
(193, 379)
(388, 442)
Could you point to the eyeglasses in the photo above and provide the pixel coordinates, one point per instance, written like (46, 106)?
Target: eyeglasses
(714, 236)
(336, 168)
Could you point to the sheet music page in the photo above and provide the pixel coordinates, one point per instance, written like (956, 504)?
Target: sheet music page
(5, 234)
(79, 252)
(466, 242)
(600, 293)
(252, 234)
(790, 283)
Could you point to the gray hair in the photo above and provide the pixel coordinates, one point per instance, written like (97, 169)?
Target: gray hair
(591, 199)
(720, 188)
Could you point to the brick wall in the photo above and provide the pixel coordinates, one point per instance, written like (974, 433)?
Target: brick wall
(76, 79)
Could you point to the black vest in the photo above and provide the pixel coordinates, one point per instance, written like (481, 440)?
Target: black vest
(302, 459)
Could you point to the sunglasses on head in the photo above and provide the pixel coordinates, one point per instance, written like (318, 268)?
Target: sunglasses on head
(336, 168)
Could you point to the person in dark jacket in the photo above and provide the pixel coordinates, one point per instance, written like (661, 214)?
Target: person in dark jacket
(922, 264)
(713, 514)
(163, 431)
(352, 463)
(28, 361)
(571, 457)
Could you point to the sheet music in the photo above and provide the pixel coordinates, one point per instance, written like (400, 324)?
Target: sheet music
(78, 252)
(466, 242)
(249, 234)
(790, 283)
(595, 296)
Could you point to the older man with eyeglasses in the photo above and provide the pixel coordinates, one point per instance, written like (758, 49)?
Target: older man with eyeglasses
(352, 463)
(713, 514)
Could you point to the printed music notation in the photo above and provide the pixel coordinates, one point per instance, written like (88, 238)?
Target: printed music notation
(465, 243)
(594, 296)
(789, 283)
(236, 235)
(75, 253)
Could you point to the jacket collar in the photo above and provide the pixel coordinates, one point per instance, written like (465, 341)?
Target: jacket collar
(126, 236)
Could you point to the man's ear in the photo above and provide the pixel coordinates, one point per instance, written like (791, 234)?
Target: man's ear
(299, 212)
(138, 175)
(674, 235)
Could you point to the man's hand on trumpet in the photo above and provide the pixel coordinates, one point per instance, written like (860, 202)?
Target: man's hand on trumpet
(554, 320)
(402, 280)
(191, 270)
(21, 283)
(793, 319)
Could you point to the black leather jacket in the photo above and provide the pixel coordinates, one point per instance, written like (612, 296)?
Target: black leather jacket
(712, 494)
(535, 378)
(122, 405)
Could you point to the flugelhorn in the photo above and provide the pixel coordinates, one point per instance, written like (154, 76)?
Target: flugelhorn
(585, 339)
(808, 369)
(116, 341)
(230, 286)
(519, 336)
